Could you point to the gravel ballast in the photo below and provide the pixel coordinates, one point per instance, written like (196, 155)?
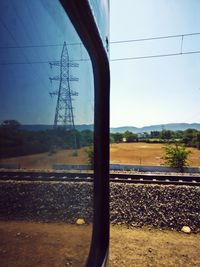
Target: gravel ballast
(160, 206)
(46, 201)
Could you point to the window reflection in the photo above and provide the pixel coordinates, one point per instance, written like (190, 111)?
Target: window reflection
(46, 132)
(46, 86)
(100, 9)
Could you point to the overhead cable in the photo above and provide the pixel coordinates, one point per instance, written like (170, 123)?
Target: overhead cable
(112, 42)
(156, 56)
(112, 60)
(155, 38)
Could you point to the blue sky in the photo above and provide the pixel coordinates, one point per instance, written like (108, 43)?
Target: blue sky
(143, 92)
(159, 90)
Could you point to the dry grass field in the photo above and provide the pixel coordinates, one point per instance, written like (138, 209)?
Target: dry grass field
(46, 160)
(124, 153)
(145, 154)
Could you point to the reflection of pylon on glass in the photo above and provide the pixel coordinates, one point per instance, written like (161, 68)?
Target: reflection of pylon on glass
(64, 116)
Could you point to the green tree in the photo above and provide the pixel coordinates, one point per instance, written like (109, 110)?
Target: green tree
(198, 140)
(116, 137)
(10, 127)
(166, 134)
(176, 156)
(155, 134)
(189, 136)
(130, 137)
(90, 154)
(86, 138)
(178, 134)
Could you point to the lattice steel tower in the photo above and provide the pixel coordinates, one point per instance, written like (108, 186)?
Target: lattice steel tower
(64, 115)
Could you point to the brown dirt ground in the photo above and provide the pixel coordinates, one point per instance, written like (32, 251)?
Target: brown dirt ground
(124, 153)
(146, 247)
(57, 245)
(43, 245)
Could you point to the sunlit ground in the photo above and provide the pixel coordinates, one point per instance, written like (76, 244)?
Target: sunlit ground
(59, 245)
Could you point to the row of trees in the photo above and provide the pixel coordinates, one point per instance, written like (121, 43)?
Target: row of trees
(126, 136)
(189, 137)
(14, 141)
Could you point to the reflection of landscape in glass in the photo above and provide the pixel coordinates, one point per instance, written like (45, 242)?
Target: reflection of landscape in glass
(46, 129)
(42, 149)
(46, 87)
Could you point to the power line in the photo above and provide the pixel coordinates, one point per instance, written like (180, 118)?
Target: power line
(36, 62)
(115, 42)
(36, 46)
(156, 56)
(112, 42)
(155, 38)
(112, 60)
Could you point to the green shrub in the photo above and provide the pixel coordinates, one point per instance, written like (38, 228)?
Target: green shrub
(90, 154)
(176, 156)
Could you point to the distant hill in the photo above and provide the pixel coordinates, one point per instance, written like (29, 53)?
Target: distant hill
(158, 127)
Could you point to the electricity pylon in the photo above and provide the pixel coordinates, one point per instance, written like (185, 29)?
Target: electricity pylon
(64, 115)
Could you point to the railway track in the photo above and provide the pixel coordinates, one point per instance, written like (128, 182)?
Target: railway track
(114, 177)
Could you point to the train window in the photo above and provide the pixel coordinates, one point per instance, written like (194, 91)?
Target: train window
(51, 135)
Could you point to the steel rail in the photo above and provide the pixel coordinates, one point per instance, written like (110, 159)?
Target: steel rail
(59, 176)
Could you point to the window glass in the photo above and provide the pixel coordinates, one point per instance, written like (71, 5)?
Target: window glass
(100, 9)
(46, 137)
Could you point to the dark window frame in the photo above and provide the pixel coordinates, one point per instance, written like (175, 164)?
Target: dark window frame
(82, 18)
